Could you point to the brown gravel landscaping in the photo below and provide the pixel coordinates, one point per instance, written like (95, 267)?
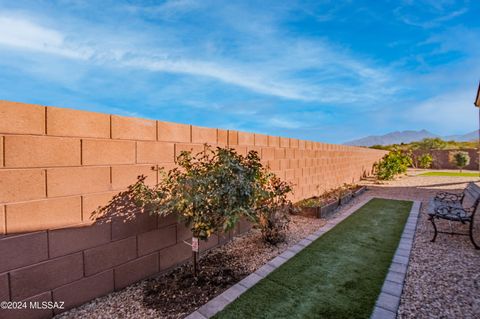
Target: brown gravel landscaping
(165, 296)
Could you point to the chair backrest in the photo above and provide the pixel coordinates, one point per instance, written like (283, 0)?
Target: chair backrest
(471, 196)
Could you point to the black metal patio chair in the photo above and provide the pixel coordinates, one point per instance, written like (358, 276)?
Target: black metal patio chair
(457, 208)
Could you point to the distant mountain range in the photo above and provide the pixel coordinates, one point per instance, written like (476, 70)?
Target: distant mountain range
(409, 136)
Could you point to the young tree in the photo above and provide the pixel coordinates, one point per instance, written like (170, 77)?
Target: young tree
(392, 164)
(460, 159)
(425, 160)
(212, 190)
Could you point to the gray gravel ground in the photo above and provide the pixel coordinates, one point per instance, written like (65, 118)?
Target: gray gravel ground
(443, 278)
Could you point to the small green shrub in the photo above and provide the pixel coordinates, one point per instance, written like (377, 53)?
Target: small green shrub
(428, 144)
(392, 164)
(425, 161)
(328, 196)
(460, 159)
(273, 208)
(310, 202)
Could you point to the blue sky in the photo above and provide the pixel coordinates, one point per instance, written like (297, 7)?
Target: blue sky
(322, 70)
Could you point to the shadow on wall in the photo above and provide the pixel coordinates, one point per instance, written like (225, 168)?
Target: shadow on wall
(121, 206)
(127, 218)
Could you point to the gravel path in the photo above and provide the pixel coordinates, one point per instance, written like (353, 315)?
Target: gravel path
(443, 278)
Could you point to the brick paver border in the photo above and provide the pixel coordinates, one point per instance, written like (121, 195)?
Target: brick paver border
(388, 301)
(221, 301)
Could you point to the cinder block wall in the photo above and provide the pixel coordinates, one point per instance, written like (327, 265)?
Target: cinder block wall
(441, 158)
(58, 165)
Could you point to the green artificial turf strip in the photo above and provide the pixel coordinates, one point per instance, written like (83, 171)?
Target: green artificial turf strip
(450, 174)
(339, 275)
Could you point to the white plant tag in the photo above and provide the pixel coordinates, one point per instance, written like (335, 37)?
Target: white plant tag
(195, 244)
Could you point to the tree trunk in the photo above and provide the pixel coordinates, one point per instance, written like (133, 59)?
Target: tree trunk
(194, 255)
(195, 249)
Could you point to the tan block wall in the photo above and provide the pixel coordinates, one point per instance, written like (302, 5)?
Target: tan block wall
(58, 165)
(441, 159)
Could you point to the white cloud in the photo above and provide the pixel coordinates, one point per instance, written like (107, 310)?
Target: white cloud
(221, 73)
(26, 35)
(456, 39)
(429, 14)
(273, 73)
(451, 112)
(284, 123)
(166, 9)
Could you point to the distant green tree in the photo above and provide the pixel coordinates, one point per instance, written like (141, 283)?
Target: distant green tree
(460, 159)
(379, 147)
(425, 160)
(428, 144)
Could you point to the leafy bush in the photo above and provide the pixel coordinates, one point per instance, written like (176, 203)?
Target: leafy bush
(425, 161)
(213, 189)
(460, 159)
(272, 208)
(210, 191)
(428, 144)
(392, 164)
